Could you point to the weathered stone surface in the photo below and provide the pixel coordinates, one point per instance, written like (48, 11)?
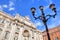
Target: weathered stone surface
(15, 28)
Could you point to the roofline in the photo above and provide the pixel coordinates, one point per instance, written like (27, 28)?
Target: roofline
(52, 28)
(11, 17)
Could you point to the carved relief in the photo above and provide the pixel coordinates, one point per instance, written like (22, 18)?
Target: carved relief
(26, 33)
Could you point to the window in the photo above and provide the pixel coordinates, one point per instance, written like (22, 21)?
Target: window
(0, 30)
(9, 24)
(16, 36)
(6, 34)
(2, 20)
(32, 37)
(18, 29)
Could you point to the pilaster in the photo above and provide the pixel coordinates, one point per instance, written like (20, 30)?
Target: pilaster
(20, 37)
(12, 32)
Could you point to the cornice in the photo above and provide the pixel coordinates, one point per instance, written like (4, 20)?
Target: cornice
(17, 18)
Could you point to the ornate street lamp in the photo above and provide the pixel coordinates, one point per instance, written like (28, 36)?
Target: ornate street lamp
(43, 17)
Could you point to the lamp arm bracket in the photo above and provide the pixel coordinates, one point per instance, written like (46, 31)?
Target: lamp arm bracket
(39, 17)
(49, 16)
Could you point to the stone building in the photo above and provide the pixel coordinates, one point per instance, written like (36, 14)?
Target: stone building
(18, 28)
(54, 34)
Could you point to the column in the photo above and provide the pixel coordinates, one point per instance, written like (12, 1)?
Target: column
(35, 36)
(26, 38)
(38, 37)
(20, 37)
(12, 32)
(30, 36)
(41, 37)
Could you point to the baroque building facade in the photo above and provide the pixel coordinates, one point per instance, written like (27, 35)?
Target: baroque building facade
(54, 34)
(18, 28)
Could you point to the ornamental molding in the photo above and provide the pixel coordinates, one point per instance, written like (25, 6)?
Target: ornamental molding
(24, 20)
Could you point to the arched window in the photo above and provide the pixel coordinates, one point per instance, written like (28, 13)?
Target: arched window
(26, 33)
(6, 34)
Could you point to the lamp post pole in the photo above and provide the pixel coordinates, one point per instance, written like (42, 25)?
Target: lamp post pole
(43, 17)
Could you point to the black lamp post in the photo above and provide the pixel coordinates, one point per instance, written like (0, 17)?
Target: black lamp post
(43, 17)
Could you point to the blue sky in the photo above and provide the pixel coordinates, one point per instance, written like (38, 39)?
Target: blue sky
(22, 7)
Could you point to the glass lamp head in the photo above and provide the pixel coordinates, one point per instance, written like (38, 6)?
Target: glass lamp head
(33, 10)
(41, 7)
(52, 6)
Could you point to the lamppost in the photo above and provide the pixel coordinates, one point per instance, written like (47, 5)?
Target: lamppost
(43, 17)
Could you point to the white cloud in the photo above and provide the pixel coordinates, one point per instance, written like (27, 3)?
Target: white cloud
(46, 7)
(55, 22)
(5, 6)
(11, 4)
(49, 1)
(37, 23)
(1, 7)
(12, 8)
